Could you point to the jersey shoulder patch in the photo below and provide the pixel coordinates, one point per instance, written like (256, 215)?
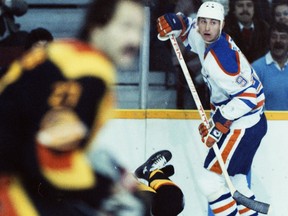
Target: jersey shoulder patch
(226, 57)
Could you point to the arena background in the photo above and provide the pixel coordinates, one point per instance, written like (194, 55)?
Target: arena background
(154, 123)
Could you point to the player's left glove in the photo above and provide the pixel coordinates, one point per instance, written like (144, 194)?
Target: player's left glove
(218, 125)
(171, 23)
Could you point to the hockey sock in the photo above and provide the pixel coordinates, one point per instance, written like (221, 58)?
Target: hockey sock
(225, 205)
(158, 178)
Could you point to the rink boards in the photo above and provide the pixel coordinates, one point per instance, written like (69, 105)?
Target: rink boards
(133, 135)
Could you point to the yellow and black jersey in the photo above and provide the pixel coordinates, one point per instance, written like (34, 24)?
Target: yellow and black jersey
(52, 103)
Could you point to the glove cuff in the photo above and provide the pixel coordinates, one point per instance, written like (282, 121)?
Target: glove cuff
(221, 123)
(185, 23)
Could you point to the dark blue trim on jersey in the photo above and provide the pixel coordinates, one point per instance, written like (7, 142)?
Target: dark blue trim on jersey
(261, 92)
(225, 56)
(248, 103)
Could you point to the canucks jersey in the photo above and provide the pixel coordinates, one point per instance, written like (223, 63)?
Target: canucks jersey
(52, 103)
(234, 85)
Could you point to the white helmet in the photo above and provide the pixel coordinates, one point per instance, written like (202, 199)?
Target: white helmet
(211, 10)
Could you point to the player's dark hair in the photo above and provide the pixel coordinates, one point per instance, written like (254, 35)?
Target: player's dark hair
(279, 27)
(98, 14)
(36, 35)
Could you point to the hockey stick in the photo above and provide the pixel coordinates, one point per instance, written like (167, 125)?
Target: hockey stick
(240, 198)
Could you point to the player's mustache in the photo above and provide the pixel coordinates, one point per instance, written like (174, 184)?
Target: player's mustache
(278, 45)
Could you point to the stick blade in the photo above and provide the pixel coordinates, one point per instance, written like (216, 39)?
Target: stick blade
(250, 203)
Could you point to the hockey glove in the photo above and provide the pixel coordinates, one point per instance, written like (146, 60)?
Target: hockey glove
(218, 125)
(221, 123)
(209, 136)
(171, 23)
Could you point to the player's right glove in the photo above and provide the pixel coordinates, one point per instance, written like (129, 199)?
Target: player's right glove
(171, 23)
(209, 136)
(212, 133)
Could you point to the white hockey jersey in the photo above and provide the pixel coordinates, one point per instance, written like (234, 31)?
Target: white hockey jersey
(234, 86)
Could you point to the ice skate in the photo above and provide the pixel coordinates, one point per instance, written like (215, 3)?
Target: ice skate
(156, 161)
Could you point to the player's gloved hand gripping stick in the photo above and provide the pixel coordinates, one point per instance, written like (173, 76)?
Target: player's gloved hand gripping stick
(250, 203)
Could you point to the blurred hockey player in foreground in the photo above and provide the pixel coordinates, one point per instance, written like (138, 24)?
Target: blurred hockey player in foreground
(53, 101)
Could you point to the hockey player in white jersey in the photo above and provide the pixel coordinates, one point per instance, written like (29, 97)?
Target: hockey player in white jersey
(236, 97)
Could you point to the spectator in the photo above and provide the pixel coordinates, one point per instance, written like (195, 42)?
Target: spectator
(9, 9)
(38, 37)
(272, 69)
(249, 32)
(53, 101)
(280, 11)
(12, 38)
(164, 196)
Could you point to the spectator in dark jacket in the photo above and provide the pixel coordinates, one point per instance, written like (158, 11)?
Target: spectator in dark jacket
(249, 32)
(12, 38)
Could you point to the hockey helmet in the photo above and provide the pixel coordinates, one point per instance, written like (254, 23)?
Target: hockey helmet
(212, 10)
